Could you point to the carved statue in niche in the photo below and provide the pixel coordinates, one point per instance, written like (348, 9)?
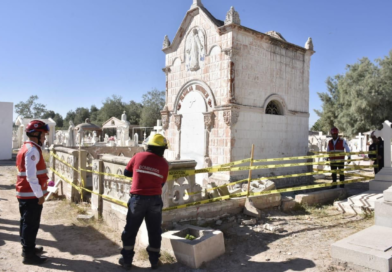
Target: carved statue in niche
(195, 50)
(71, 135)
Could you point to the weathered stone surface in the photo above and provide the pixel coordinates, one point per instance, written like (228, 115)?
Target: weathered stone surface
(85, 217)
(288, 203)
(272, 228)
(266, 201)
(250, 209)
(320, 197)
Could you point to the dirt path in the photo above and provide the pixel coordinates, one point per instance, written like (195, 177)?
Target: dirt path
(76, 246)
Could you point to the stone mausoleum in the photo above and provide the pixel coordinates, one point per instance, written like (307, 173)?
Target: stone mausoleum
(228, 87)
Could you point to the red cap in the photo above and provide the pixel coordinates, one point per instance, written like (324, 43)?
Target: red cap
(334, 130)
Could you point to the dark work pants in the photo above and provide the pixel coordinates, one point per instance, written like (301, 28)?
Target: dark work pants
(30, 218)
(335, 166)
(143, 207)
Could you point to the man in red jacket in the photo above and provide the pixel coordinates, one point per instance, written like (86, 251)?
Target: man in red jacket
(337, 145)
(149, 172)
(31, 188)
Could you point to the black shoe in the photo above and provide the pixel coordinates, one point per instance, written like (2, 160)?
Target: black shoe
(123, 264)
(156, 266)
(37, 250)
(34, 259)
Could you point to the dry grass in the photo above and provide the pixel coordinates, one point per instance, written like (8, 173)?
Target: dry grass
(46, 156)
(166, 257)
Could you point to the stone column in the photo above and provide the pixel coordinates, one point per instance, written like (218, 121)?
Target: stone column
(52, 163)
(208, 124)
(177, 121)
(383, 179)
(165, 114)
(82, 158)
(96, 200)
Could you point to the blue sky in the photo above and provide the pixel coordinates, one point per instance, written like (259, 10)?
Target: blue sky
(75, 53)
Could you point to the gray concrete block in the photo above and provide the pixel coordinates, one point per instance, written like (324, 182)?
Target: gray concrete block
(250, 209)
(288, 203)
(266, 201)
(383, 214)
(208, 245)
(320, 197)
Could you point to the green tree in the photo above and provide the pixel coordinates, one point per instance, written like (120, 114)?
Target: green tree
(134, 112)
(55, 116)
(59, 120)
(361, 99)
(317, 126)
(153, 102)
(112, 107)
(78, 116)
(94, 111)
(70, 117)
(330, 106)
(81, 114)
(30, 108)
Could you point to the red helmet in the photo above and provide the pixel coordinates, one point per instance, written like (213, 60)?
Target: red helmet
(334, 130)
(36, 126)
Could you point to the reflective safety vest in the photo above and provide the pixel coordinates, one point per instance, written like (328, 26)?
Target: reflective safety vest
(23, 189)
(338, 147)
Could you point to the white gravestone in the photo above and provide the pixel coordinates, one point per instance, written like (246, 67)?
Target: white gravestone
(6, 111)
(71, 135)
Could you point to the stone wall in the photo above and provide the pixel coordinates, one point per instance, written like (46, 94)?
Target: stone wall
(6, 110)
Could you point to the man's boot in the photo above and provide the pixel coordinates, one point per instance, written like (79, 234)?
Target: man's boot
(32, 258)
(127, 257)
(153, 256)
(37, 250)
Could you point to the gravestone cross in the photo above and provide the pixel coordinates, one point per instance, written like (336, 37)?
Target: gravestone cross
(360, 137)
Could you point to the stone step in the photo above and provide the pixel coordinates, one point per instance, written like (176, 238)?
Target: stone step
(379, 185)
(359, 204)
(383, 213)
(369, 248)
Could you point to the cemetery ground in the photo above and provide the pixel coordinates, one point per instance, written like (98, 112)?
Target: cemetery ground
(71, 245)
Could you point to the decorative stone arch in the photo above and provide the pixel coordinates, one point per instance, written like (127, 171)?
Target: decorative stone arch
(198, 86)
(175, 60)
(275, 102)
(214, 48)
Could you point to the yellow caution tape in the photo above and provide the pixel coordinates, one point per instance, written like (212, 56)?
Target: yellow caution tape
(317, 172)
(107, 174)
(345, 153)
(197, 203)
(67, 180)
(300, 188)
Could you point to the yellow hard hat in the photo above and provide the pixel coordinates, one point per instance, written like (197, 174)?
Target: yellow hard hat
(158, 140)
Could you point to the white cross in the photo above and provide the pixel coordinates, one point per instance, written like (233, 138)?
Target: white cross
(360, 137)
(191, 102)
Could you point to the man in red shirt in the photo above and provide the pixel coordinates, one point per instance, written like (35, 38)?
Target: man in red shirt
(31, 188)
(149, 172)
(337, 145)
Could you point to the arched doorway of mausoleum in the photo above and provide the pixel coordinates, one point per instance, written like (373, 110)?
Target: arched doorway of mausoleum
(192, 103)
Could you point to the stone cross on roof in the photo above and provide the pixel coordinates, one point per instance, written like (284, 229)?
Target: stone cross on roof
(196, 3)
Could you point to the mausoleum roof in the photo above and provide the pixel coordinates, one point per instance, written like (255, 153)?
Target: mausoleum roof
(87, 126)
(113, 122)
(272, 37)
